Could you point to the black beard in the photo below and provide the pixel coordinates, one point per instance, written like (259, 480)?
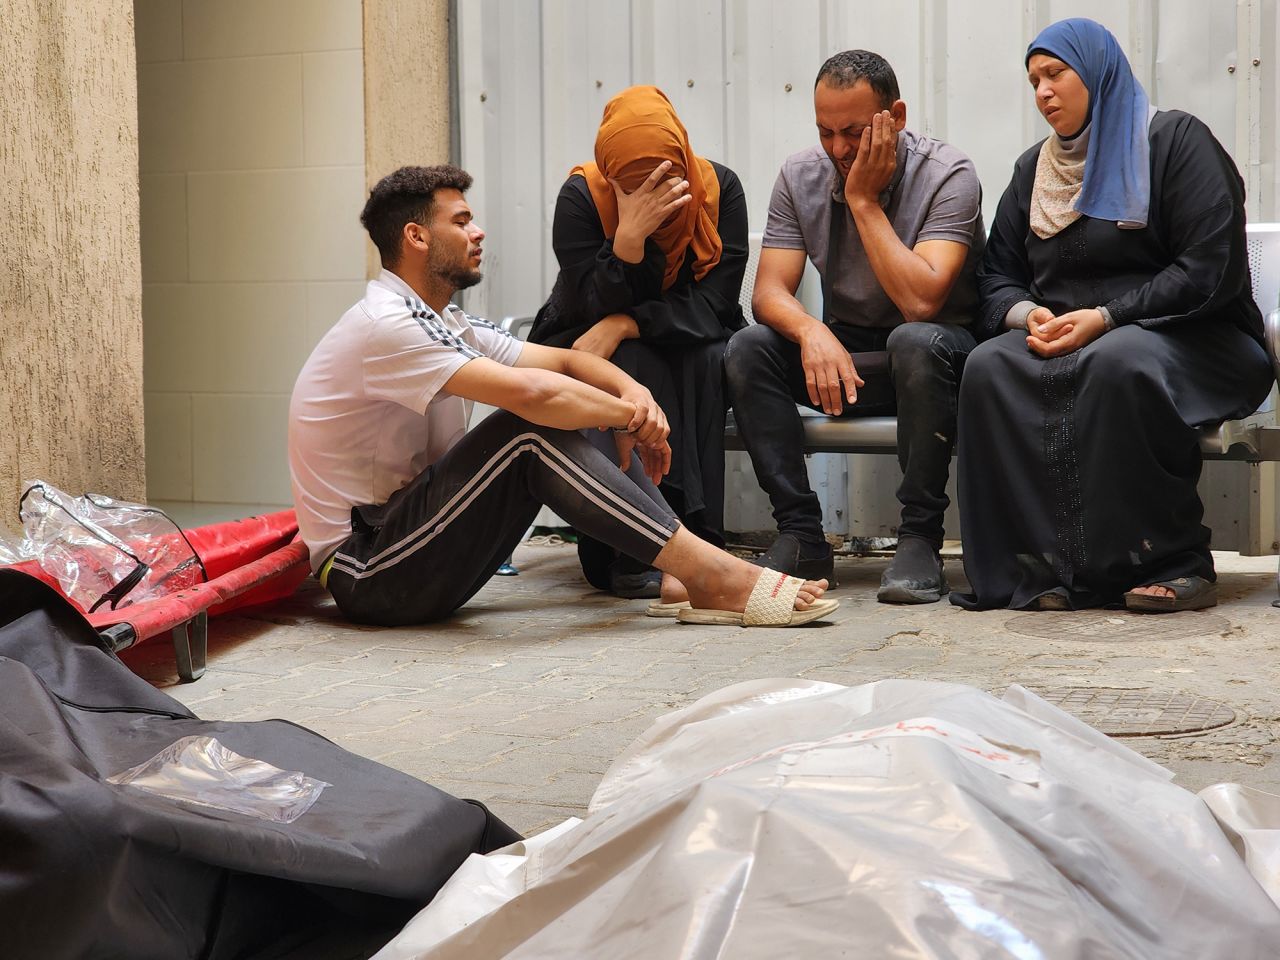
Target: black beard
(457, 276)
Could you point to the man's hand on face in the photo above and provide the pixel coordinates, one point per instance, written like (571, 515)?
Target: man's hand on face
(829, 374)
(876, 160)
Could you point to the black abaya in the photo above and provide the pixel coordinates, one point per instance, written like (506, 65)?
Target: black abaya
(1078, 474)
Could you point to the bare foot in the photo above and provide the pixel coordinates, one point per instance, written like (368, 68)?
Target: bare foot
(672, 590)
(732, 593)
(1151, 590)
(713, 579)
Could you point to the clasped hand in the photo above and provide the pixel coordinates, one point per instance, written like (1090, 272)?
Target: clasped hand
(1050, 336)
(646, 434)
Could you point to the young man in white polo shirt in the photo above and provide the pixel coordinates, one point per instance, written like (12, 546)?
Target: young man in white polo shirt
(407, 514)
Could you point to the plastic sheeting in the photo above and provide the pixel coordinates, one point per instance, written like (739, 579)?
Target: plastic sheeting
(203, 771)
(248, 561)
(901, 819)
(1251, 819)
(100, 550)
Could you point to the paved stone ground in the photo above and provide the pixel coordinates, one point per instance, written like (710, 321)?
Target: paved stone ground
(525, 697)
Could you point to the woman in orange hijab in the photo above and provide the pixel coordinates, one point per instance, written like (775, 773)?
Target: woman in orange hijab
(652, 245)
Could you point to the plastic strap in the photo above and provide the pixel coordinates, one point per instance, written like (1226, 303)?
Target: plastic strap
(118, 592)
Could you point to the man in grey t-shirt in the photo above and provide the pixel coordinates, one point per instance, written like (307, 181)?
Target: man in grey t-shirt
(893, 223)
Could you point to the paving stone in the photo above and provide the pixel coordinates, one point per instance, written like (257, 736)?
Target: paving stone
(574, 716)
(275, 662)
(677, 679)
(501, 715)
(303, 681)
(569, 788)
(530, 669)
(238, 705)
(598, 742)
(385, 712)
(414, 735)
(424, 674)
(355, 693)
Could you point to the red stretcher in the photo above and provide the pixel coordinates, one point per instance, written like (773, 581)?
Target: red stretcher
(247, 562)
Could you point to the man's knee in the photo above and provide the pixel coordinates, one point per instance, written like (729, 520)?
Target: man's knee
(748, 351)
(918, 343)
(502, 421)
(922, 351)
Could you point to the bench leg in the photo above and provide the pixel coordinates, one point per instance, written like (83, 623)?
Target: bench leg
(191, 646)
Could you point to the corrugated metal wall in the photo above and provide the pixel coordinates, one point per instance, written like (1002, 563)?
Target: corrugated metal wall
(534, 75)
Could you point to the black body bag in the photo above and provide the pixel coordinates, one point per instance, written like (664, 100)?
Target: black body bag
(90, 868)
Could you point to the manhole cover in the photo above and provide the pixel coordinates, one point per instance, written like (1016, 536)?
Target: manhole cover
(1116, 625)
(1140, 713)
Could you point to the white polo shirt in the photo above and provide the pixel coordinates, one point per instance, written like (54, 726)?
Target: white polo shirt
(368, 412)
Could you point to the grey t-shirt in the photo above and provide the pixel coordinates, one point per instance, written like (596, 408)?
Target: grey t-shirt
(934, 195)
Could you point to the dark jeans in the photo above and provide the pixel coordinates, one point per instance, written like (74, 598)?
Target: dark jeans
(912, 370)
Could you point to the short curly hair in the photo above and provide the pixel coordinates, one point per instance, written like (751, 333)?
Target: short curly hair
(406, 196)
(845, 69)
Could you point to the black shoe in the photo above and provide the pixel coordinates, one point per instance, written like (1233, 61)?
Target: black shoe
(800, 558)
(914, 575)
(633, 580)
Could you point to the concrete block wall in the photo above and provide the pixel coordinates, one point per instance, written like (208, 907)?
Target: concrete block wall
(251, 142)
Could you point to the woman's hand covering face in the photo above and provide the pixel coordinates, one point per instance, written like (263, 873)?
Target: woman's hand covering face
(648, 206)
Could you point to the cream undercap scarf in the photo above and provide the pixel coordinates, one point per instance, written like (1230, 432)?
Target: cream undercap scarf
(1059, 177)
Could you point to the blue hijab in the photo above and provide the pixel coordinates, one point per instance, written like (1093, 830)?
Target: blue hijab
(1117, 168)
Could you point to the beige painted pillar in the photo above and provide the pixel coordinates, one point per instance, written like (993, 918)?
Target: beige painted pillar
(70, 270)
(406, 88)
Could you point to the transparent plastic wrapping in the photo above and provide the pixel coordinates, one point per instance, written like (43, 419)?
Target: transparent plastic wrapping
(104, 551)
(13, 549)
(201, 770)
(1251, 819)
(904, 818)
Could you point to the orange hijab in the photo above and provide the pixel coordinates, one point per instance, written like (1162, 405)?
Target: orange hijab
(640, 129)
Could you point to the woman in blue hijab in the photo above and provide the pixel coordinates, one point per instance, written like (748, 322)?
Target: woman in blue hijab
(1116, 303)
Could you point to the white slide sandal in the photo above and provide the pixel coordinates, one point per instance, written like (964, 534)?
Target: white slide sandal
(771, 604)
(668, 610)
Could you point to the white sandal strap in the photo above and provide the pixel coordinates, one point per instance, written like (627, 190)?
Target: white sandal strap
(772, 600)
